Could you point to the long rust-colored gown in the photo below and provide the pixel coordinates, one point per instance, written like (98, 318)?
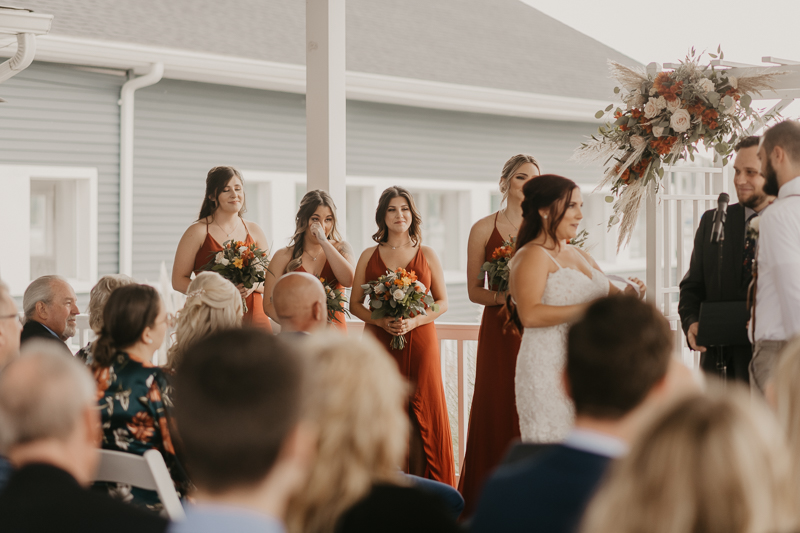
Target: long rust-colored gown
(493, 420)
(255, 315)
(329, 277)
(419, 362)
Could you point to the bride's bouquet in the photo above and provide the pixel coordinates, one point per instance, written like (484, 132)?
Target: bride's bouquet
(398, 294)
(335, 300)
(496, 269)
(241, 264)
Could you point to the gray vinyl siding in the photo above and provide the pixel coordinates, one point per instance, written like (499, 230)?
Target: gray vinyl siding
(57, 115)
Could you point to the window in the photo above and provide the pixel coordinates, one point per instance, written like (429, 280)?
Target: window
(53, 213)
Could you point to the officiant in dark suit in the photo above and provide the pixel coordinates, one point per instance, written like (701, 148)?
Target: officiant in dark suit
(707, 280)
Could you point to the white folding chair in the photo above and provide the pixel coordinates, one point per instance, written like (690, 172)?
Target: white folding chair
(146, 471)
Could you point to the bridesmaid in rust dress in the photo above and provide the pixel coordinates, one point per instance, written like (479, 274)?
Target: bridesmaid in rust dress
(399, 245)
(221, 220)
(317, 248)
(493, 421)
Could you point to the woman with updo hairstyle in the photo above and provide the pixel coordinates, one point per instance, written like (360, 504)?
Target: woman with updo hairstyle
(97, 301)
(399, 239)
(551, 284)
(221, 220)
(212, 304)
(133, 393)
(317, 248)
(357, 401)
(714, 463)
(493, 420)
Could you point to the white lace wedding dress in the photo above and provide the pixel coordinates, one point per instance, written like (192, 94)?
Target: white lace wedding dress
(545, 413)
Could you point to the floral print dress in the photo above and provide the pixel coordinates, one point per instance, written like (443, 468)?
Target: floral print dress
(133, 396)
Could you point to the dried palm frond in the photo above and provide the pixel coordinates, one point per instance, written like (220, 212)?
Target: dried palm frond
(629, 78)
(755, 80)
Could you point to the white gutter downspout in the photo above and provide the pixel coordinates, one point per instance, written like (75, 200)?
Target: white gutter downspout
(26, 49)
(126, 101)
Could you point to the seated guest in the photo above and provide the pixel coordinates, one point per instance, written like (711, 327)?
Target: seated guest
(212, 304)
(10, 328)
(97, 300)
(51, 431)
(299, 301)
(612, 374)
(358, 399)
(240, 416)
(783, 392)
(50, 307)
(714, 463)
(132, 393)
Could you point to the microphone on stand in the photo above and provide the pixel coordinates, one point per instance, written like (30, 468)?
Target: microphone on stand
(720, 215)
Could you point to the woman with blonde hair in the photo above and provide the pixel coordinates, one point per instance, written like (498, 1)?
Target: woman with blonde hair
(783, 393)
(212, 304)
(713, 463)
(97, 301)
(317, 248)
(357, 401)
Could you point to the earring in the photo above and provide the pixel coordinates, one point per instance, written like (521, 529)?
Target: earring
(545, 216)
(149, 341)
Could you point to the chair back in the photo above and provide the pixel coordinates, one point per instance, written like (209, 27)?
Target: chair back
(146, 471)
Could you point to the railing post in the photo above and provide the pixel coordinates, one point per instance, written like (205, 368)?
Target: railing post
(463, 408)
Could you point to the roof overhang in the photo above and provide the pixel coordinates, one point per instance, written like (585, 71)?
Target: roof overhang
(23, 25)
(257, 74)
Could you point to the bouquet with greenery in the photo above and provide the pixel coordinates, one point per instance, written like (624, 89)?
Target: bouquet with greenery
(240, 263)
(496, 269)
(335, 300)
(398, 294)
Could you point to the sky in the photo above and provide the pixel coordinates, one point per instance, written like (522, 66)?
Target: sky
(746, 30)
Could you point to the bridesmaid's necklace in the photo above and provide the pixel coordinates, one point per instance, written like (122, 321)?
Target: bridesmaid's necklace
(509, 220)
(311, 256)
(227, 233)
(400, 246)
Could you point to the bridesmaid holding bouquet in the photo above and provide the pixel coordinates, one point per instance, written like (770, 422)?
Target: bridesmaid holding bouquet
(220, 220)
(493, 421)
(317, 248)
(399, 241)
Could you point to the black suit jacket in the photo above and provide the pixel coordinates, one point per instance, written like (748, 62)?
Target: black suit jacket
(703, 283)
(546, 493)
(34, 330)
(41, 498)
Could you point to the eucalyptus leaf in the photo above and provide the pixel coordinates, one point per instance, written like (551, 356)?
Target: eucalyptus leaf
(609, 108)
(599, 114)
(609, 199)
(376, 304)
(616, 90)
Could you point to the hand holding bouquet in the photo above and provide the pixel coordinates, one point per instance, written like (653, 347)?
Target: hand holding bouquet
(241, 264)
(335, 300)
(496, 269)
(398, 294)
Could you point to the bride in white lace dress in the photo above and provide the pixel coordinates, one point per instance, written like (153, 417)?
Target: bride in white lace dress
(551, 284)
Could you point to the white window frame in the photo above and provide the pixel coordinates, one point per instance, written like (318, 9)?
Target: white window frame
(15, 187)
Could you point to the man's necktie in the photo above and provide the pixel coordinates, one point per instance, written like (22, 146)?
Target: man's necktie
(749, 248)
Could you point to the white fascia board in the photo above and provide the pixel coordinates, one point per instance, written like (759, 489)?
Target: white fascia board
(257, 74)
(16, 21)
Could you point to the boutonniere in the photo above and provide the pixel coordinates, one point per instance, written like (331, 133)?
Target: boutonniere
(752, 228)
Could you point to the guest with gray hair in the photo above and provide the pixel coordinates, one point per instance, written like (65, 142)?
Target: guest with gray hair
(50, 306)
(97, 301)
(10, 328)
(51, 433)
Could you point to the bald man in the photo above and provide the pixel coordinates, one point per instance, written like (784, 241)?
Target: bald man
(299, 301)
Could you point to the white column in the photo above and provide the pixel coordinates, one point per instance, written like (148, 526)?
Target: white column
(326, 101)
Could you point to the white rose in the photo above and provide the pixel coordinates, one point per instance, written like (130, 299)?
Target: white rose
(331, 295)
(652, 91)
(650, 108)
(658, 131)
(637, 141)
(733, 81)
(681, 121)
(242, 249)
(398, 295)
(219, 257)
(706, 85)
(420, 286)
(661, 102)
(674, 105)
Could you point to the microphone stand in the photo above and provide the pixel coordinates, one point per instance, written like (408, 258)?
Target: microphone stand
(722, 367)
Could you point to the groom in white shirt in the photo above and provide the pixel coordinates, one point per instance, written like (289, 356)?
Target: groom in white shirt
(777, 301)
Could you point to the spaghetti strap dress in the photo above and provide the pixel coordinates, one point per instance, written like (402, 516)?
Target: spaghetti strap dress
(493, 419)
(419, 362)
(330, 278)
(255, 316)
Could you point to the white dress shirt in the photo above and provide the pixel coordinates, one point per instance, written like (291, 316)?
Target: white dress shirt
(778, 297)
(595, 442)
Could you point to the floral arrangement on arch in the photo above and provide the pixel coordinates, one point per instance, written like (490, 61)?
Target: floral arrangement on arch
(662, 119)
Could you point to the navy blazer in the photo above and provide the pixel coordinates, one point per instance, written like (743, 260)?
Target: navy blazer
(546, 493)
(34, 330)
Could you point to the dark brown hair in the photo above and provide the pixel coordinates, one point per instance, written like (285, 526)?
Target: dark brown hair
(128, 311)
(217, 179)
(747, 142)
(785, 134)
(414, 230)
(310, 203)
(235, 408)
(549, 192)
(616, 353)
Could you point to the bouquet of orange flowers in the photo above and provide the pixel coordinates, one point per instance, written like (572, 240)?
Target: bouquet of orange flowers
(241, 264)
(496, 269)
(398, 294)
(335, 300)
